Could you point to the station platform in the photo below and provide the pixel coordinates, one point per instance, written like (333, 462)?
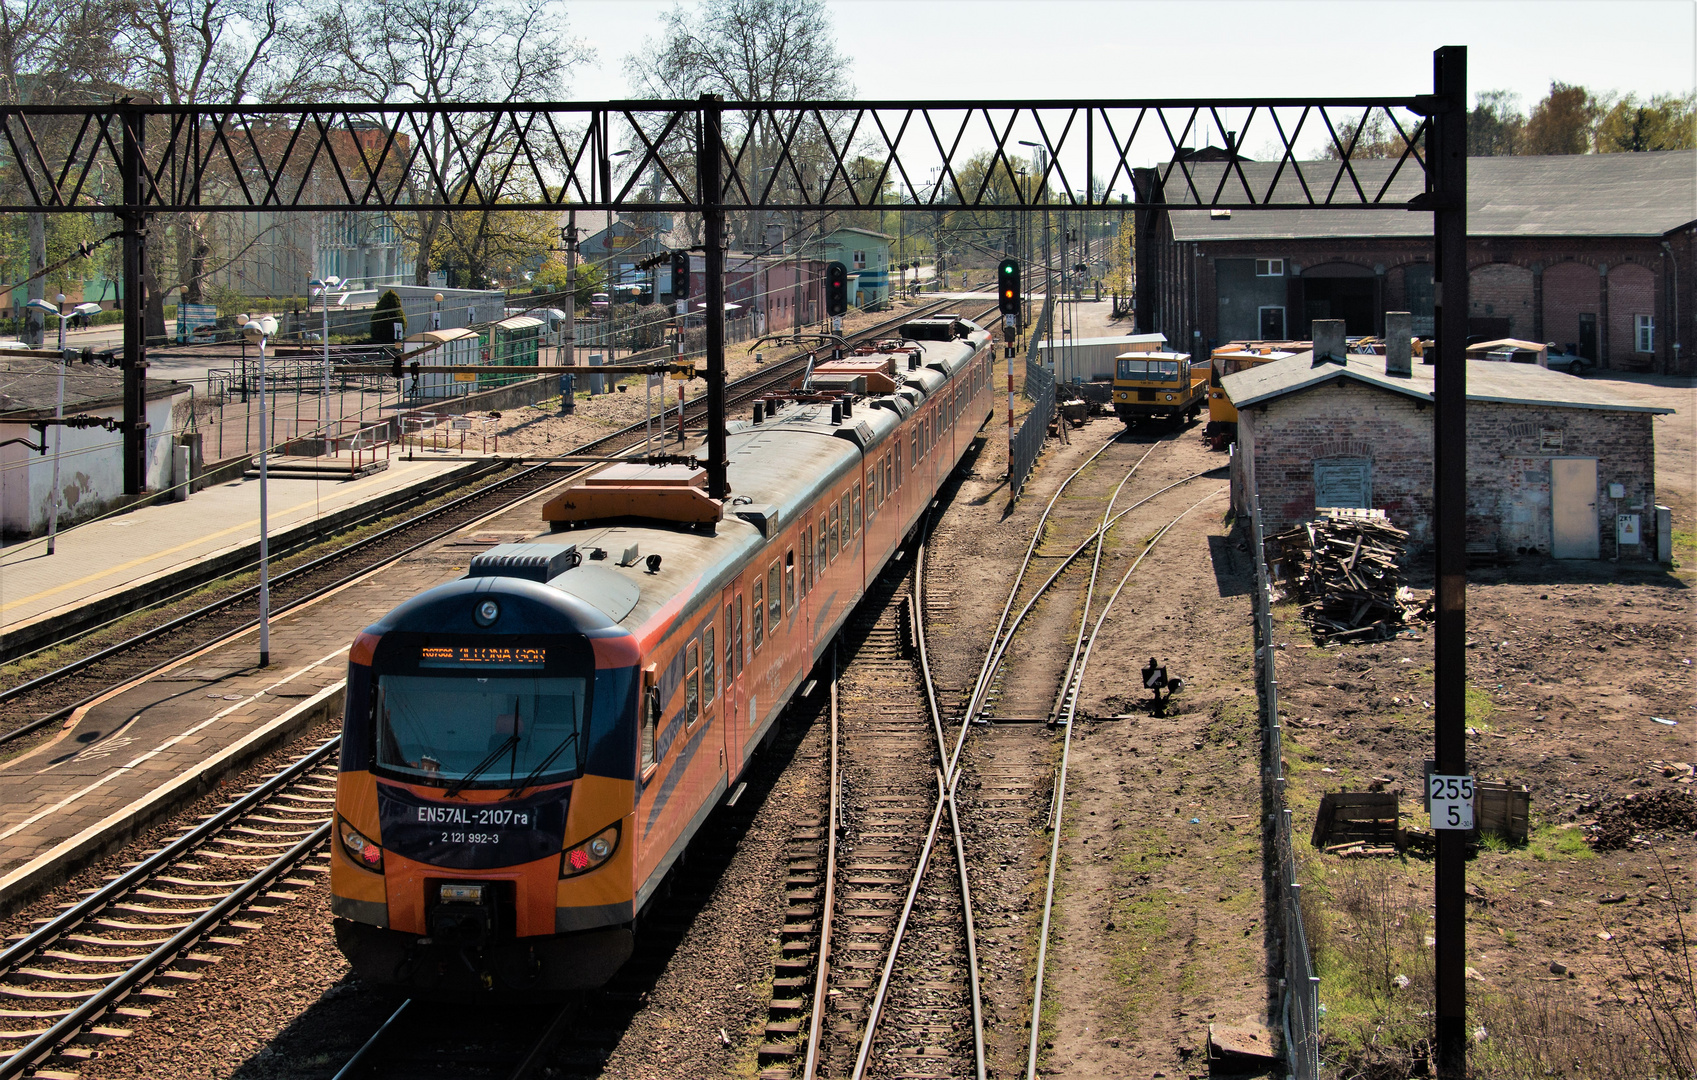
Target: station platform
(102, 568)
(149, 747)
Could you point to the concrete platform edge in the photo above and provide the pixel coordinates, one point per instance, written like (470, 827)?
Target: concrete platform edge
(75, 618)
(54, 866)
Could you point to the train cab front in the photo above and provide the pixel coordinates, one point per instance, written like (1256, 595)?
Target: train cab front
(485, 795)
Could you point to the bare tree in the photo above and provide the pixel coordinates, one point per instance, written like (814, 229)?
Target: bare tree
(442, 51)
(51, 55)
(746, 50)
(185, 52)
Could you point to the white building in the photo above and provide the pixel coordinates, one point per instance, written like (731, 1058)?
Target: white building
(91, 464)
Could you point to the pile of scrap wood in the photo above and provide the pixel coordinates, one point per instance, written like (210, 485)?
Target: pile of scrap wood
(1344, 567)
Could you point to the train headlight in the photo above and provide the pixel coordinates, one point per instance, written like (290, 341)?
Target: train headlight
(360, 850)
(486, 613)
(591, 853)
(1169, 397)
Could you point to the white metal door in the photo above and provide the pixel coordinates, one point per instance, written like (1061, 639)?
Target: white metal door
(1573, 508)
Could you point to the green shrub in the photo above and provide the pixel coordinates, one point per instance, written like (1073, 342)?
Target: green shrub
(384, 318)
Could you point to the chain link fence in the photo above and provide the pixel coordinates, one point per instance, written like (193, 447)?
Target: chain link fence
(1302, 986)
(1028, 442)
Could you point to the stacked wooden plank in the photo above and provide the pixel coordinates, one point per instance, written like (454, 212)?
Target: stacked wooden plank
(1345, 566)
(1357, 823)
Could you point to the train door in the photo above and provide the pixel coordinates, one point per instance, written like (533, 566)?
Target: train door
(730, 657)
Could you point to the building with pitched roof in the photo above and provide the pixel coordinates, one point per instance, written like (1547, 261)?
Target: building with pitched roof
(1552, 458)
(1596, 253)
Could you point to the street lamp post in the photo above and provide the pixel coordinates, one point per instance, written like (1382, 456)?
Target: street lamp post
(57, 307)
(260, 331)
(323, 286)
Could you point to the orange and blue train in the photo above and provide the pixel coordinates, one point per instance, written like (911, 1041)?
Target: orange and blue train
(529, 749)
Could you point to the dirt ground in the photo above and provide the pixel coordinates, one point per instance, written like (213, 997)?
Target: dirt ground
(1581, 686)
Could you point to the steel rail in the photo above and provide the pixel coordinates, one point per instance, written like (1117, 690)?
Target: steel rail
(245, 594)
(954, 814)
(1060, 793)
(191, 590)
(119, 988)
(176, 849)
(366, 1048)
(761, 381)
(821, 975)
(949, 776)
(876, 1010)
(1036, 536)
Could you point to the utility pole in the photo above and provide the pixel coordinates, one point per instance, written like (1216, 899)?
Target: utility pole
(568, 338)
(1447, 156)
(133, 226)
(710, 157)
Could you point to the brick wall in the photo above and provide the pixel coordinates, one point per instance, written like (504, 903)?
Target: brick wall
(1569, 289)
(1502, 291)
(1509, 448)
(1564, 281)
(1632, 291)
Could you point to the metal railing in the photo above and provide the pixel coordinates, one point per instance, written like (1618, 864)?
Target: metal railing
(1302, 985)
(1028, 442)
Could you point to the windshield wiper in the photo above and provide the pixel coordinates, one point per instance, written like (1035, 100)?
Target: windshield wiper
(542, 766)
(477, 770)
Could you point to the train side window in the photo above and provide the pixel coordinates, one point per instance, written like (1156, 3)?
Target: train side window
(730, 642)
(756, 606)
(823, 559)
(856, 519)
(709, 664)
(789, 581)
(898, 463)
(847, 520)
(889, 476)
(834, 532)
(774, 597)
(741, 657)
(692, 683)
(650, 713)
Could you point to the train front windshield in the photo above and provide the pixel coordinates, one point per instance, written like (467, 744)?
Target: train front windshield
(480, 730)
(1149, 370)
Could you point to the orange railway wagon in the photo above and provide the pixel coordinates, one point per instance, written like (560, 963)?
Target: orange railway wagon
(529, 749)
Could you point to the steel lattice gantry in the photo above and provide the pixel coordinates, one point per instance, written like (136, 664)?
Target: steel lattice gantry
(715, 158)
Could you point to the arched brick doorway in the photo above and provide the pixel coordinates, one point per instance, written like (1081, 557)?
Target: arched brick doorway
(1572, 299)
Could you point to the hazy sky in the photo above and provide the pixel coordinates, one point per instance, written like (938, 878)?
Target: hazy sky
(964, 49)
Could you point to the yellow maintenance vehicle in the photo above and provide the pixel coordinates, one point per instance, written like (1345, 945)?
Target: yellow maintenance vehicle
(1158, 386)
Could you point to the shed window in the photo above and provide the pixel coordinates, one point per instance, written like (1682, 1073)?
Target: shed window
(1269, 268)
(1343, 482)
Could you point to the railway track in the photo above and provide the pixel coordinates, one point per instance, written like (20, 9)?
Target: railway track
(77, 978)
(34, 704)
(74, 986)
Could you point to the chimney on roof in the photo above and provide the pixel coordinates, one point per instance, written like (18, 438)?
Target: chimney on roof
(1399, 348)
(1329, 343)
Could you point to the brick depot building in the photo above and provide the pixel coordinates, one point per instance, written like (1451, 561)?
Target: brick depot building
(1543, 451)
(1594, 252)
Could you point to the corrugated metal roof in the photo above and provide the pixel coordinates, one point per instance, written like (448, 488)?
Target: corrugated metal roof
(1124, 339)
(1510, 384)
(1646, 194)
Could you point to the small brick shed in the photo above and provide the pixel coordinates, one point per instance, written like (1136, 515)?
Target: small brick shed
(1543, 448)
